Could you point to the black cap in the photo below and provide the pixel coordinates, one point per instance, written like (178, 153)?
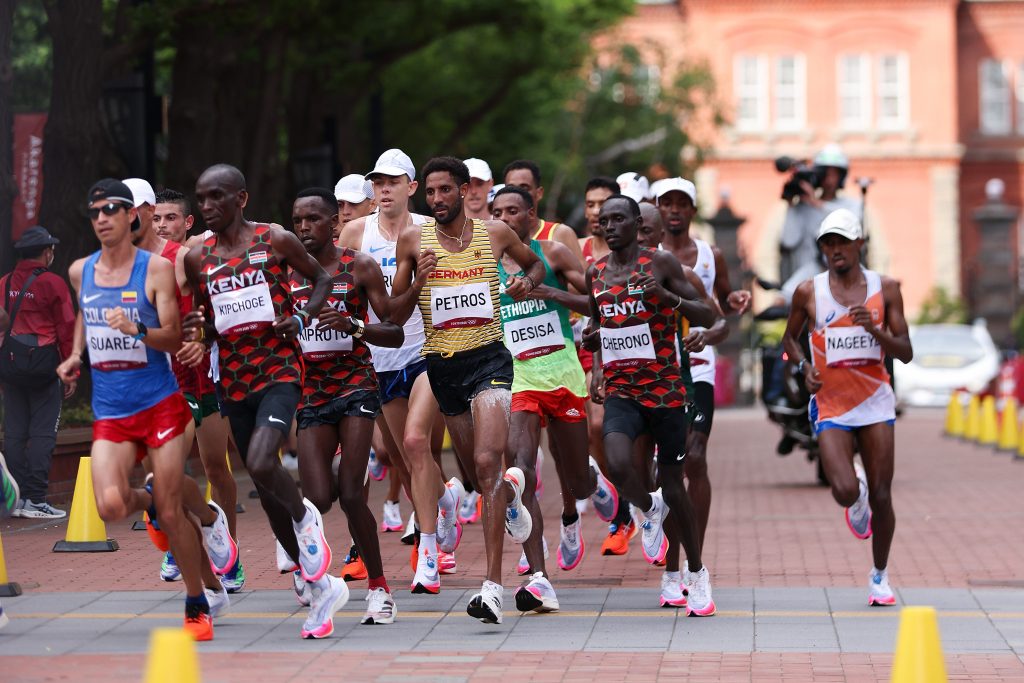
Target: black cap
(113, 190)
(35, 237)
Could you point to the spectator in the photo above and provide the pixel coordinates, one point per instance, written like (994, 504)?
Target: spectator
(39, 321)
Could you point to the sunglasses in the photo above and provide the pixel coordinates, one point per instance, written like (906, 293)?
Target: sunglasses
(108, 210)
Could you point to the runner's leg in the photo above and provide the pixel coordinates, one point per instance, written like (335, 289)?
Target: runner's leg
(877, 452)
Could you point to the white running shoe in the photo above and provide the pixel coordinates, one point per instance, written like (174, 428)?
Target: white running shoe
(672, 590)
(523, 566)
(881, 591)
(428, 574)
(486, 605)
(571, 546)
(314, 553)
(537, 595)
(290, 462)
(392, 520)
(42, 510)
(219, 602)
(285, 564)
(581, 506)
(655, 543)
(221, 548)
(605, 499)
(381, 608)
(409, 535)
(467, 510)
(449, 528)
(303, 593)
(518, 522)
(329, 595)
(699, 602)
(858, 515)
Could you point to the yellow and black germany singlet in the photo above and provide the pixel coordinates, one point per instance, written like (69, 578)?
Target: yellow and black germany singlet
(460, 300)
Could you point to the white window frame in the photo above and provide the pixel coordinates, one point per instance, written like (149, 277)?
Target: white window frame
(758, 91)
(797, 91)
(988, 122)
(900, 90)
(861, 91)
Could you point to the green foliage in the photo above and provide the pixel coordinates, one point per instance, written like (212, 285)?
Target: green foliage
(31, 57)
(1017, 325)
(940, 307)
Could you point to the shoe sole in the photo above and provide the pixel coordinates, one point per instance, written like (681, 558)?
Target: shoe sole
(708, 611)
(853, 531)
(528, 601)
(325, 562)
(389, 529)
(371, 621)
(423, 589)
(579, 558)
(662, 551)
(347, 578)
(615, 504)
(339, 602)
(879, 602)
(232, 545)
(408, 540)
(27, 514)
(478, 610)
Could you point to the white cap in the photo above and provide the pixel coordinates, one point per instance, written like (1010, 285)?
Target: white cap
(841, 222)
(662, 187)
(354, 189)
(142, 191)
(393, 162)
(493, 191)
(478, 168)
(634, 185)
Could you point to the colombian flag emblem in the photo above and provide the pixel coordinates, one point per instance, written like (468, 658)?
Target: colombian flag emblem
(129, 297)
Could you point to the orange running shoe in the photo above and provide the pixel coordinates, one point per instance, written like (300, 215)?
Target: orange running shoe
(198, 624)
(632, 529)
(354, 569)
(156, 535)
(414, 556)
(617, 541)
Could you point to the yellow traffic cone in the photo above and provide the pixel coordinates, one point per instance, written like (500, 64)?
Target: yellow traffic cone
(988, 433)
(86, 531)
(918, 657)
(8, 589)
(172, 657)
(972, 427)
(955, 416)
(1019, 455)
(1009, 433)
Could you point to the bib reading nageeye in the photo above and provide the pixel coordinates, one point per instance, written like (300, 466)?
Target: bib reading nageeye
(110, 349)
(626, 346)
(324, 343)
(243, 310)
(534, 336)
(461, 306)
(847, 347)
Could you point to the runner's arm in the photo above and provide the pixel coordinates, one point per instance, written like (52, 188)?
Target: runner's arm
(405, 288)
(179, 272)
(291, 251)
(569, 269)
(686, 300)
(565, 235)
(370, 277)
(592, 342)
(893, 337)
(504, 241)
(160, 281)
(697, 339)
(69, 369)
(798, 317)
(352, 234)
(197, 319)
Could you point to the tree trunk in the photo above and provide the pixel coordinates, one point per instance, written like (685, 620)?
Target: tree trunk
(7, 188)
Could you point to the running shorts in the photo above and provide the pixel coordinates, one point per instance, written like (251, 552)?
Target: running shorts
(361, 403)
(456, 380)
(201, 407)
(398, 383)
(667, 426)
(150, 428)
(560, 404)
(273, 406)
(703, 407)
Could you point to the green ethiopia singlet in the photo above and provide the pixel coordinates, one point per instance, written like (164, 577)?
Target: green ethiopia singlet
(539, 336)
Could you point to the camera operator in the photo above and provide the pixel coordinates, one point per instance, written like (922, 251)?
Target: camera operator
(813, 194)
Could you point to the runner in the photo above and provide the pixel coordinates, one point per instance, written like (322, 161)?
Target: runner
(635, 296)
(858, 318)
(241, 278)
(456, 285)
(355, 199)
(172, 218)
(481, 181)
(548, 390)
(129, 321)
(526, 174)
(340, 398)
(677, 201)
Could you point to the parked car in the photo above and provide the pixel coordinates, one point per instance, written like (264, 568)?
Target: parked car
(946, 358)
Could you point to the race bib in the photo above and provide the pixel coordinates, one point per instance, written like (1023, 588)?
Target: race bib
(534, 336)
(110, 349)
(243, 310)
(461, 306)
(847, 347)
(623, 347)
(325, 343)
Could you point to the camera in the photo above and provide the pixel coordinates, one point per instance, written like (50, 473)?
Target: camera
(802, 170)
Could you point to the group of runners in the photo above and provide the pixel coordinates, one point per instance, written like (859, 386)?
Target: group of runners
(373, 328)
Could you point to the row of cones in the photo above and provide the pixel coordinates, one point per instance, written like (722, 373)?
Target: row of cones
(980, 420)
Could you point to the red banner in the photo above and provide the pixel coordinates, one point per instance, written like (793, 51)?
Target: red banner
(28, 171)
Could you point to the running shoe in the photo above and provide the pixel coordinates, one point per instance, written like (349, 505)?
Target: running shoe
(376, 468)
(409, 536)
(414, 556)
(571, 546)
(881, 591)
(537, 595)
(582, 505)
(427, 578)
(221, 548)
(617, 540)
(486, 605)
(4, 619)
(518, 522)
(329, 595)
(449, 529)
(655, 543)
(285, 564)
(605, 498)
(355, 568)
(169, 568)
(446, 563)
(303, 593)
(290, 462)
(523, 566)
(469, 511)
(858, 515)
(198, 624)
(219, 601)
(156, 535)
(234, 580)
(41, 510)
(314, 553)
(392, 520)
(672, 590)
(380, 608)
(9, 493)
(699, 602)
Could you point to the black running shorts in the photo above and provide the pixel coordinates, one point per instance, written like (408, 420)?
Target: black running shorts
(667, 426)
(456, 380)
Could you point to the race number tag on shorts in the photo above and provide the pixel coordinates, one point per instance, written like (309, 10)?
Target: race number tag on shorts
(110, 349)
(534, 336)
(626, 346)
(461, 306)
(847, 347)
(324, 343)
(243, 310)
